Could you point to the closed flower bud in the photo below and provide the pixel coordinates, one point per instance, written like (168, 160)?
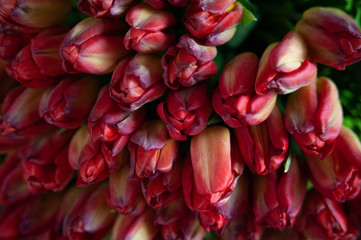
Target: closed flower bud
(188, 62)
(149, 30)
(215, 29)
(212, 221)
(134, 227)
(235, 99)
(171, 213)
(20, 113)
(32, 15)
(80, 138)
(264, 146)
(211, 169)
(45, 161)
(105, 8)
(112, 125)
(13, 187)
(332, 36)
(338, 176)
(125, 192)
(278, 196)
(285, 67)
(186, 111)
(314, 117)
(152, 152)
(38, 64)
(323, 218)
(94, 45)
(67, 105)
(137, 81)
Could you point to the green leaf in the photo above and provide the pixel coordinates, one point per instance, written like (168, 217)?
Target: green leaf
(248, 17)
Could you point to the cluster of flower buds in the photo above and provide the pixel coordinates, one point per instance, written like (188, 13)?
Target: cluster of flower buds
(165, 148)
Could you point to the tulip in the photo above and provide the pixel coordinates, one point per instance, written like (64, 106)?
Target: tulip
(89, 216)
(284, 66)
(152, 152)
(150, 29)
(111, 125)
(323, 218)
(29, 218)
(13, 187)
(278, 196)
(212, 221)
(20, 113)
(338, 176)
(332, 36)
(38, 64)
(163, 189)
(188, 62)
(160, 4)
(67, 105)
(214, 6)
(93, 46)
(313, 116)
(211, 168)
(185, 111)
(32, 15)
(80, 138)
(137, 81)
(171, 213)
(105, 8)
(264, 146)
(215, 29)
(133, 227)
(124, 192)
(45, 161)
(235, 99)
(7, 144)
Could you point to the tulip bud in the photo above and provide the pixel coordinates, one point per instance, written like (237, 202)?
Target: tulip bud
(93, 46)
(38, 65)
(45, 161)
(133, 227)
(323, 218)
(149, 30)
(211, 169)
(313, 116)
(264, 146)
(13, 187)
(186, 111)
(105, 8)
(111, 125)
(76, 145)
(67, 105)
(8, 144)
(89, 217)
(152, 152)
(160, 4)
(171, 213)
(31, 15)
(235, 99)
(214, 6)
(137, 81)
(188, 62)
(332, 36)
(29, 218)
(338, 176)
(278, 196)
(125, 193)
(215, 29)
(20, 113)
(284, 66)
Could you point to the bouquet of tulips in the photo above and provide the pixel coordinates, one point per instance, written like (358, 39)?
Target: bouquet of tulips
(165, 119)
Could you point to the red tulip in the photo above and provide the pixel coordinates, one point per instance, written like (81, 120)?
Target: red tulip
(67, 105)
(264, 146)
(105, 8)
(20, 113)
(332, 36)
(235, 99)
(186, 111)
(285, 67)
(215, 28)
(137, 81)
(313, 116)
(93, 46)
(149, 30)
(188, 62)
(214, 6)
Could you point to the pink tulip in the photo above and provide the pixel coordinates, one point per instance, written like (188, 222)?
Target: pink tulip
(105, 8)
